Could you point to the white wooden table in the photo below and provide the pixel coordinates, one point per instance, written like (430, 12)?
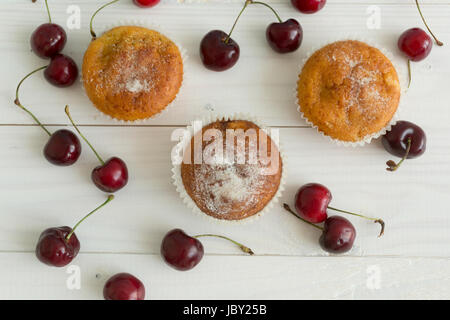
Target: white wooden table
(412, 260)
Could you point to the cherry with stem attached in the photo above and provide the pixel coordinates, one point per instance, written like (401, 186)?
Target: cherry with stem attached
(91, 28)
(183, 252)
(405, 140)
(63, 147)
(48, 39)
(338, 234)
(285, 36)
(111, 175)
(312, 201)
(59, 246)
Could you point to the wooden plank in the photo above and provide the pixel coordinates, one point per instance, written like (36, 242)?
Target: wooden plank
(226, 277)
(35, 195)
(262, 83)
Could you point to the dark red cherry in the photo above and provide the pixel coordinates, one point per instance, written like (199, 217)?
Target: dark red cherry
(62, 71)
(309, 6)
(111, 176)
(338, 235)
(63, 148)
(396, 140)
(124, 286)
(285, 36)
(54, 250)
(181, 251)
(415, 43)
(218, 51)
(48, 40)
(146, 3)
(405, 140)
(311, 202)
(59, 246)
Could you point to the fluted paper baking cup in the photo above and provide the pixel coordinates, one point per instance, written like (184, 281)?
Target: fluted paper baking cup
(401, 71)
(185, 142)
(151, 26)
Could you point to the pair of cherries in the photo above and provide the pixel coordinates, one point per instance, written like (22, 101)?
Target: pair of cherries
(416, 44)
(338, 234)
(47, 42)
(219, 52)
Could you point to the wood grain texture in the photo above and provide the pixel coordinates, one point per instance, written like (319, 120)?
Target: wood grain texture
(413, 256)
(225, 277)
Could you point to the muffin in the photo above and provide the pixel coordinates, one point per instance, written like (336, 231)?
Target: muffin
(349, 90)
(232, 181)
(132, 73)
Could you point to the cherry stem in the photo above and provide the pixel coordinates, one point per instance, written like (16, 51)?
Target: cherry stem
(84, 138)
(268, 6)
(439, 43)
(93, 34)
(288, 209)
(17, 101)
(376, 220)
(110, 198)
(247, 2)
(409, 73)
(392, 166)
(48, 12)
(240, 245)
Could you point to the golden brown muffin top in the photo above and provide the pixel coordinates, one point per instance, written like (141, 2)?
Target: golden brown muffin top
(232, 188)
(349, 90)
(132, 72)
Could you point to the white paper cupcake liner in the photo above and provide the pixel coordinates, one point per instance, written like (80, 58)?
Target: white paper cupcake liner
(401, 71)
(185, 142)
(151, 26)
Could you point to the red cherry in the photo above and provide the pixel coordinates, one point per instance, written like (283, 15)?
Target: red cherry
(338, 235)
(285, 36)
(111, 176)
(181, 251)
(309, 6)
(146, 3)
(311, 202)
(218, 51)
(63, 148)
(124, 286)
(53, 248)
(415, 43)
(48, 40)
(59, 246)
(405, 140)
(62, 71)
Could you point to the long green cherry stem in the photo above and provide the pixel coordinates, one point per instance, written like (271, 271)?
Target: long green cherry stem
(268, 6)
(84, 138)
(409, 73)
(48, 10)
(439, 43)
(375, 220)
(247, 2)
(288, 209)
(93, 34)
(110, 198)
(240, 245)
(17, 101)
(392, 166)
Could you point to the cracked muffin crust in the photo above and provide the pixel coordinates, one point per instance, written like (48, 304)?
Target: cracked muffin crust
(349, 90)
(132, 73)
